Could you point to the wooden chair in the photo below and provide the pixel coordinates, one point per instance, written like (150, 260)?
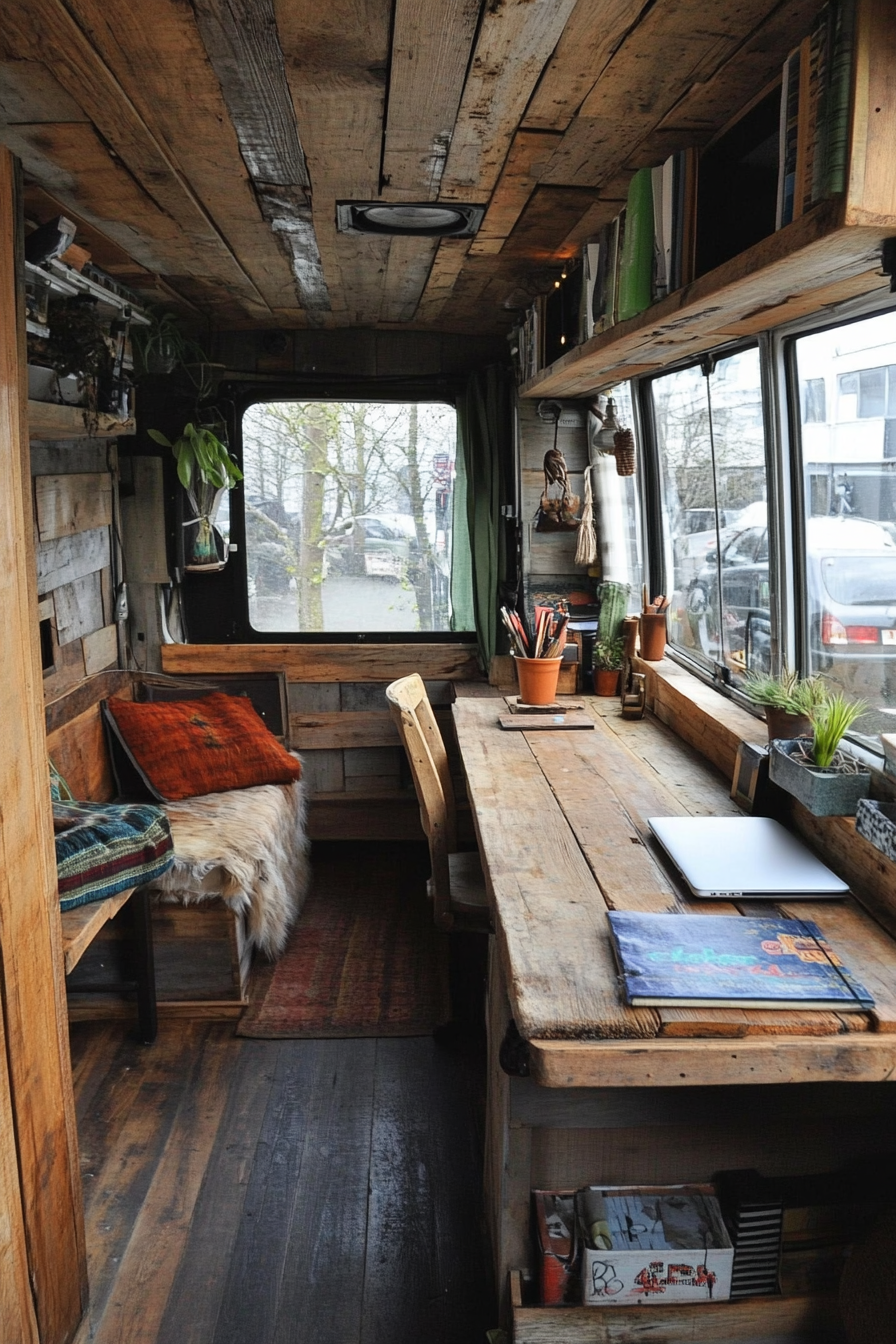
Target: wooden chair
(457, 885)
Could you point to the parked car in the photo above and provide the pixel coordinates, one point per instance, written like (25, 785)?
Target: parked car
(390, 544)
(851, 585)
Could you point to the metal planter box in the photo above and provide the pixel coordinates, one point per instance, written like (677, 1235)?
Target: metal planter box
(826, 793)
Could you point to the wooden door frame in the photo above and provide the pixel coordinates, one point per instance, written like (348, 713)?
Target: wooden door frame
(40, 1188)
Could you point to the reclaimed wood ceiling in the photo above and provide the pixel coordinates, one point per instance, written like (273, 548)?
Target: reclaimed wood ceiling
(202, 144)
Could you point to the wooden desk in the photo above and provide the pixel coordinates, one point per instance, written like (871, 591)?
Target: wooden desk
(618, 1094)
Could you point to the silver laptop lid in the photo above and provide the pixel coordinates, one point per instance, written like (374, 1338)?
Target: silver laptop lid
(752, 857)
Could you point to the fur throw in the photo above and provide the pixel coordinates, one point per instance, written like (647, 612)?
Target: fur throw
(250, 848)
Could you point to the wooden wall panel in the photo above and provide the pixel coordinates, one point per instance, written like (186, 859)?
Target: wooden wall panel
(327, 662)
(70, 504)
(33, 1007)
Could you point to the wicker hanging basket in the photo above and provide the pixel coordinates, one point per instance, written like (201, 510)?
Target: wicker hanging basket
(624, 452)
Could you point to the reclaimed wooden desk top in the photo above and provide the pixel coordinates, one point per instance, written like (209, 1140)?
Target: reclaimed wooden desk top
(561, 819)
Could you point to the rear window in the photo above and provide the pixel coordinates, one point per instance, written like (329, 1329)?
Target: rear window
(857, 580)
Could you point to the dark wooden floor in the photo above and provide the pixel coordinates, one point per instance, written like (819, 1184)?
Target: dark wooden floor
(281, 1192)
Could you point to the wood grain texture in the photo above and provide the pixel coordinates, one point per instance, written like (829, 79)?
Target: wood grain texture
(594, 31)
(431, 43)
(78, 750)
(41, 1143)
(336, 61)
(81, 925)
(515, 40)
(745, 1322)
(66, 505)
(49, 32)
(327, 662)
(67, 558)
(547, 908)
(242, 43)
(48, 421)
(100, 649)
(806, 256)
(871, 189)
(315, 732)
(855, 1058)
(79, 608)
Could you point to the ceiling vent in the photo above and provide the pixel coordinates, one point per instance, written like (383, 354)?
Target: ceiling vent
(425, 220)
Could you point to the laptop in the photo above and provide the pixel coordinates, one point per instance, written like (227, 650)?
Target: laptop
(751, 858)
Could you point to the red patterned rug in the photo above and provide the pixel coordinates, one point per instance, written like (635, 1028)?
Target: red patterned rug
(364, 958)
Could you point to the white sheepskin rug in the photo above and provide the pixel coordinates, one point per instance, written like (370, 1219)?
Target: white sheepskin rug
(250, 848)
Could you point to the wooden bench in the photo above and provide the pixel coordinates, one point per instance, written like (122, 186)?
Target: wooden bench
(81, 925)
(201, 952)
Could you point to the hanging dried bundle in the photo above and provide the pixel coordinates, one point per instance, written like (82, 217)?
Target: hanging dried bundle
(624, 451)
(586, 542)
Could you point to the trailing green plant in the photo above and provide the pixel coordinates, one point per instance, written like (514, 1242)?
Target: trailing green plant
(161, 346)
(608, 654)
(787, 691)
(205, 469)
(831, 720)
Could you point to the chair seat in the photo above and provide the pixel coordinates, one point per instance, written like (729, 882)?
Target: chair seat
(469, 906)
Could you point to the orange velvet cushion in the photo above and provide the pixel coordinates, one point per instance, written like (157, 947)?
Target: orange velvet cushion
(184, 748)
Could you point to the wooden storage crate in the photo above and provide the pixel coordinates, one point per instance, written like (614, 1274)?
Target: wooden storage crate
(755, 1320)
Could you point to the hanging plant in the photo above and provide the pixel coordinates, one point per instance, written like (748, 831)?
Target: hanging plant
(205, 469)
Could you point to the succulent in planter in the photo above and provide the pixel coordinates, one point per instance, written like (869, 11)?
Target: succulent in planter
(788, 700)
(205, 469)
(608, 655)
(827, 781)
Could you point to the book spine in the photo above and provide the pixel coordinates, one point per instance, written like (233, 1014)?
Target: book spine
(837, 110)
(636, 265)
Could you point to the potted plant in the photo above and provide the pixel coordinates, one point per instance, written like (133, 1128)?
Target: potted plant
(826, 780)
(788, 701)
(161, 346)
(607, 665)
(205, 469)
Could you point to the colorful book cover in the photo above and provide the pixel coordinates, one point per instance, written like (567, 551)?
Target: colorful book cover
(730, 961)
(636, 260)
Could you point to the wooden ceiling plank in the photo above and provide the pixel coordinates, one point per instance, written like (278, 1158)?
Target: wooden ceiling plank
(407, 272)
(44, 30)
(154, 51)
(677, 44)
(515, 41)
(241, 39)
(29, 93)
(446, 267)
(529, 155)
(595, 30)
(431, 44)
(336, 57)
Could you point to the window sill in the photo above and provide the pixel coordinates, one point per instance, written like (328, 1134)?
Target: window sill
(715, 726)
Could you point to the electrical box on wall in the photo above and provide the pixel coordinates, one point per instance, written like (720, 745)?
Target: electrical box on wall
(143, 520)
(565, 414)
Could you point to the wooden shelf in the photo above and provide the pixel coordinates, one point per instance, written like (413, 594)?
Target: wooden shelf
(48, 420)
(748, 1319)
(813, 262)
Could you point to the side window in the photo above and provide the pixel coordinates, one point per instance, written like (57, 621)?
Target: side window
(848, 471)
(713, 482)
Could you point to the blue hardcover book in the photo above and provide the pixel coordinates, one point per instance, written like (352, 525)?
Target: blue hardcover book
(727, 961)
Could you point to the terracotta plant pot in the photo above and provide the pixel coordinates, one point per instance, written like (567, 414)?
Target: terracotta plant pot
(782, 724)
(606, 681)
(537, 678)
(653, 636)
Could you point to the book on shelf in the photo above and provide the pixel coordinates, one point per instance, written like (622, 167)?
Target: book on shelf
(814, 115)
(722, 961)
(636, 259)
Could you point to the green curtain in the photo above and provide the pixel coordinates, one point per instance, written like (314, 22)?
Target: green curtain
(484, 464)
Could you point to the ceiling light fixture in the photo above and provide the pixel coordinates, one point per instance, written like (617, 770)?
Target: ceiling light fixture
(423, 220)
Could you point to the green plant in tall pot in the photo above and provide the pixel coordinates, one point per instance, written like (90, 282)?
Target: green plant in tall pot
(206, 470)
(787, 699)
(827, 780)
(608, 655)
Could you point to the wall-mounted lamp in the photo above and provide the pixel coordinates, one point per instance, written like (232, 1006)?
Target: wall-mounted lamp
(604, 439)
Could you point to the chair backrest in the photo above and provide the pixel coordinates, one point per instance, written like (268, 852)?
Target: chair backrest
(428, 760)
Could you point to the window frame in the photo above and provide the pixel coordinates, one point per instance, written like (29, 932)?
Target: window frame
(240, 396)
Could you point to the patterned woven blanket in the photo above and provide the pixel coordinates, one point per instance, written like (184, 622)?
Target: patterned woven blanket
(103, 848)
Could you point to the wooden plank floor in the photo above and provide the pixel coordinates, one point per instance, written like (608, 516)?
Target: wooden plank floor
(281, 1192)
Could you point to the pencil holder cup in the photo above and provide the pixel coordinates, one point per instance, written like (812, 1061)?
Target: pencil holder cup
(630, 626)
(653, 636)
(537, 678)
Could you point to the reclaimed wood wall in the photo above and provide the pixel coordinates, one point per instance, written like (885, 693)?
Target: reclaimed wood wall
(549, 563)
(43, 1274)
(73, 484)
